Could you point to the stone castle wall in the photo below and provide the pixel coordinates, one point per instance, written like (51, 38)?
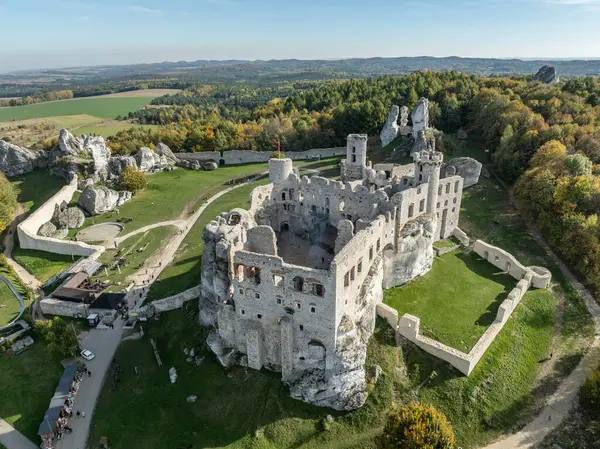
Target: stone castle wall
(235, 157)
(28, 229)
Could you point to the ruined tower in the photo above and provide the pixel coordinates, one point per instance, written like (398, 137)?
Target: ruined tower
(280, 170)
(356, 158)
(427, 170)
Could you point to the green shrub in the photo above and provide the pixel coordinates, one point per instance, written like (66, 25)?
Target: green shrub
(277, 155)
(416, 426)
(132, 179)
(590, 391)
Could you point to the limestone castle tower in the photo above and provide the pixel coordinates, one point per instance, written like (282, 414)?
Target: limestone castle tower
(428, 164)
(356, 158)
(280, 170)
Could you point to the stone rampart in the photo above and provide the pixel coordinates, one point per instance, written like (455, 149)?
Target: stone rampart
(176, 301)
(201, 156)
(539, 277)
(53, 306)
(28, 229)
(461, 236)
(388, 313)
(234, 157)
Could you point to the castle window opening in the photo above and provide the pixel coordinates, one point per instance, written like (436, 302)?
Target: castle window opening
(352, 274)
(285, 207)
(327, 211)
(347, 279)
(378, 244)
(298, 283)
(496, 259)
(342, 205)
(318, 290)
(291, 193)
(486, 255)
(285, 226)
(242, 311)
(313, 309)
(445, 203)
(371, 253)
(278, 280)
(508, 266)
(241, 291)
(411, 210)
(298, 306)
(421, 205)
(420, 177)
(239, 271)
(279, 300)
(447, 188)
(438, 205)
(349, 217)
(259, 316)
(439, 190)
(418, 190)
(313, 208)
(300, 196)
(405, 181)
(454, 200)
(359, 266)
(354, 158)
(454, 209)
(283, 196)
(354, 149)
(301, 327)
(456, 187)
(257, 296)
(326, 201)
(420, 168)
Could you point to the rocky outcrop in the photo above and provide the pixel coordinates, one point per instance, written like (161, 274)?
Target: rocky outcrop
(96, 148)
(390, 129)
(116, 164)
(420, 144)
(165, 151)
(68, 217)
(47, 229)
(467, 167)
(415, 255)
(87, 156)
(99, 199)
(420, 117)
(69, 145)
(209, 166)
(547, 75)
(15, 160)
(147, 160)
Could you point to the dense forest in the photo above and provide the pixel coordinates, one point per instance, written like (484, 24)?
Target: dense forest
(543, 139)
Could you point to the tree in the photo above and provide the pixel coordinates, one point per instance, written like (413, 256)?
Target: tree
(8, 202)
(416, 426)
(578, 165)
(59, 336)
(590, 391)
(132, 179)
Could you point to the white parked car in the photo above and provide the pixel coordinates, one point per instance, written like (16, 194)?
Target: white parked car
(87, 354)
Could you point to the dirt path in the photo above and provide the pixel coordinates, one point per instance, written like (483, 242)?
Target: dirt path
(180, 224)
(560, 403)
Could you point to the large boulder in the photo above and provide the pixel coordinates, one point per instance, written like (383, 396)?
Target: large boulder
(68, 217)
(69, 145)
(147, 160)
(165, 151)
(47, 229)
(209, 165)
(468, 168)
(116, 164)
(15, 160)
(99, 199)
(415, 256)
(99, 152)
(390, 129)
(547, 75)
(420, 117)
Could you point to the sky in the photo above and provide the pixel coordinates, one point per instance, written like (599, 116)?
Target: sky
(65, 33)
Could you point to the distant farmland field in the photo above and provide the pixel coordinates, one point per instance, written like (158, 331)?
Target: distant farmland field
(102, 107)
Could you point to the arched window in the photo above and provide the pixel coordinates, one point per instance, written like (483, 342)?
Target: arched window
(283, 196)
(298, 283)
(456, 187)
(411, 210)
(327, 201)
(422, 206)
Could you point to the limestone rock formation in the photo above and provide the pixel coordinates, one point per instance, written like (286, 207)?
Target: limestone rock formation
(15, 160)
(209, 166)
(420, 143)
(69, 145)
(68, 217)
(420, 117)
(403, 116)
(468, 168)
(87, 156)
(147, 160)
(547, 75)
(116, 164)
(390, 129)
(99, 152)
(164, 150)
(99, 199)
(415, 256)
(47, 229)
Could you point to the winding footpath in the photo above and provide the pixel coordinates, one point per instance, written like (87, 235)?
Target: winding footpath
(560, 403)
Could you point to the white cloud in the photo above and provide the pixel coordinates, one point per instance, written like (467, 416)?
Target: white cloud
(143, 9)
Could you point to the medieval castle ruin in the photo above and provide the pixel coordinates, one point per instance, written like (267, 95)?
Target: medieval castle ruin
(292, 284)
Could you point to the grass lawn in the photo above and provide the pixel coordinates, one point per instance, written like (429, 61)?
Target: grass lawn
(107, 128)
(27, 383)
(43, 265)
(35, 188)
(97, 107)
(9, 305)
(150, 241)
(238, 408)
(456, 301)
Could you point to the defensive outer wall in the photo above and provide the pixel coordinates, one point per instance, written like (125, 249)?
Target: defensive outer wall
(234, 157)
(408, 326)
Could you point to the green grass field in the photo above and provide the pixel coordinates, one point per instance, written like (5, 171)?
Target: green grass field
(97, 107)
(35, 188)
(151, 241)
(41, 264)
(237, 408)
(455, 313)
(27, 383)
(9, 305)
